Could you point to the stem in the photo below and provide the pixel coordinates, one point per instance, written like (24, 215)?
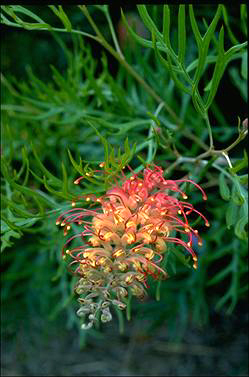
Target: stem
(228, 159)
(241, 136)
(223, 152)
(115, 41)
(150, 141)
(211, 143)
(74, 32)
(181, 160)
(191, 136)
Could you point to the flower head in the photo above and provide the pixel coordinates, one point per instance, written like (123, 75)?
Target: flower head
(123, 241)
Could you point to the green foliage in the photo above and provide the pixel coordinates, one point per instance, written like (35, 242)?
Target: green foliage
(175, 62)
(141, 113)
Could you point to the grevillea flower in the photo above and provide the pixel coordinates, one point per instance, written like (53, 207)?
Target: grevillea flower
(123, 241)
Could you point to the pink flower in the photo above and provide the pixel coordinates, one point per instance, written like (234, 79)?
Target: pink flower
(124, 239)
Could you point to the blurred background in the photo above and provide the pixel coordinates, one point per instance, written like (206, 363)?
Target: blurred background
(52, 85)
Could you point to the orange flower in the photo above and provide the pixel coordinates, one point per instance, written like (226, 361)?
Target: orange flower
(123, 241)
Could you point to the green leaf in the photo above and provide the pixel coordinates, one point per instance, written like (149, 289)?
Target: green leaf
(25, 162)
(229, 54)
(224, 189)
(6, 233)
(211, 30)
(61, 81)
(5, 21)
(20, 9)
(181, 257)
(142, 41)
(243, 179)
(51, 177)
(102, 8)
(60, 194)
(25, 190)
(154, 118)
(65, 180)
(5, 239)
(181, 34)
(65, 19)
(169, 66)
(218, 70)
(231, 214)
(208, 86)
(214, 39)
(203, 46)
(17, 208)
(149, 22)
(240, 228)
(243, 16)
(237, 197)
(105, 144)
(241, 164)
(166, 26)
(230, 33)
(195, 28)
(14, 229)
(220, 276)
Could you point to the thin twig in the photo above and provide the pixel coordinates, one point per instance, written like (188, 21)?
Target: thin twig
(115, 41)
(213, 152)
(150, 139)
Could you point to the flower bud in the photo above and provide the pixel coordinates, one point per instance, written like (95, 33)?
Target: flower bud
(93, 306)
(137, 290)
(86, 326)
(91, 317)
(106, 317)
(121, 292)
(120, 304)
(82, 311)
